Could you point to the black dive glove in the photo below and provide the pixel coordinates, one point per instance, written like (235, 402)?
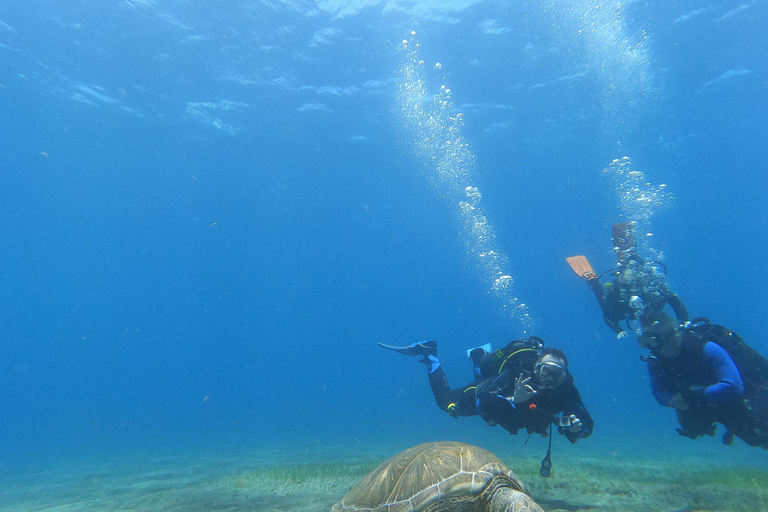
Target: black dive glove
(694, 396)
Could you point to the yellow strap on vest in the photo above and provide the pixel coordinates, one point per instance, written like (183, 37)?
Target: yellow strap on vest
(512, 354)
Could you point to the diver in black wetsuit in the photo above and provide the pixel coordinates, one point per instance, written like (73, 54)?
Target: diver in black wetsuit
(530, 389)
(708, 375)
(635, 292)
(638, 289)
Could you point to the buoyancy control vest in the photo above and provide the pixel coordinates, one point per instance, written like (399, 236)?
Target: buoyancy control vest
(516, 356)
(752, 365)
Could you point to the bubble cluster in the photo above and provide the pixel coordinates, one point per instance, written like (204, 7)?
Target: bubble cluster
(618, 53)
(639, 200)
(642, 285)
(436, 130)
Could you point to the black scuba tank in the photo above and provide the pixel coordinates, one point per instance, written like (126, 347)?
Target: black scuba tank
(752, 365)
(516, 356)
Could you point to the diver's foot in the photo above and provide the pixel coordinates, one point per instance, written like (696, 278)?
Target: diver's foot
(421, 348)
(477, 353)
(431, 362)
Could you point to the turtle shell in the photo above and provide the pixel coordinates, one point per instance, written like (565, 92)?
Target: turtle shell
(424, 474)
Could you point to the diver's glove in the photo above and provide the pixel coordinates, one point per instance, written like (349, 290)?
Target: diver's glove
(570, 423)
(575, 426)
(694, 396)
(451, 410)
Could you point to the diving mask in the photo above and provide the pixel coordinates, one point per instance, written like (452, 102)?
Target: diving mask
(548, 371)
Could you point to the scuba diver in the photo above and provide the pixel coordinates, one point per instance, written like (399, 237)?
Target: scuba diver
(708, 375)
(638, 288)
(523, 385)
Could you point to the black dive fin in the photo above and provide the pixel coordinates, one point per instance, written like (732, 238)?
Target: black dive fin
(421, 348)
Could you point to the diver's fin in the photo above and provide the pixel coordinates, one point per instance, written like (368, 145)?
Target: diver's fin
(623, 234)
(581, 266)
(483, 349)
(421, 348)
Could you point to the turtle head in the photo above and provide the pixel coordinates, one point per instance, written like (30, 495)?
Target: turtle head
(509, 494)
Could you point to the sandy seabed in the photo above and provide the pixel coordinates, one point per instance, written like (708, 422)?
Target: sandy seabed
(313, 480)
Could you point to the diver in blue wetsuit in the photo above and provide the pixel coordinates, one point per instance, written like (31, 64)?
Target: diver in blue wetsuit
(521, 386)
(708, 375)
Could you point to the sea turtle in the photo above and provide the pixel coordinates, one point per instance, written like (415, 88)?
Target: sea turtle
(440, 477)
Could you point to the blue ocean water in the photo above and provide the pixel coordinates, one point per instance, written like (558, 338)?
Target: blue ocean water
(212, 212)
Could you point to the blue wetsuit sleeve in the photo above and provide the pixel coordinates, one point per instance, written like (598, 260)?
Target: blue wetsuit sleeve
(729, 384)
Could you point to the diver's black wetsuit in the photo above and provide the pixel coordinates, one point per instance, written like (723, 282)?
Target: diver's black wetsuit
(486, 398)
(707, 377)
(616, 303)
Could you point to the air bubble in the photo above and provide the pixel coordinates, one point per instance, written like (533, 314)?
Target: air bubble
(448, 159)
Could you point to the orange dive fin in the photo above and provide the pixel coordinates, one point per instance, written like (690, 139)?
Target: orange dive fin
(581, 266)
